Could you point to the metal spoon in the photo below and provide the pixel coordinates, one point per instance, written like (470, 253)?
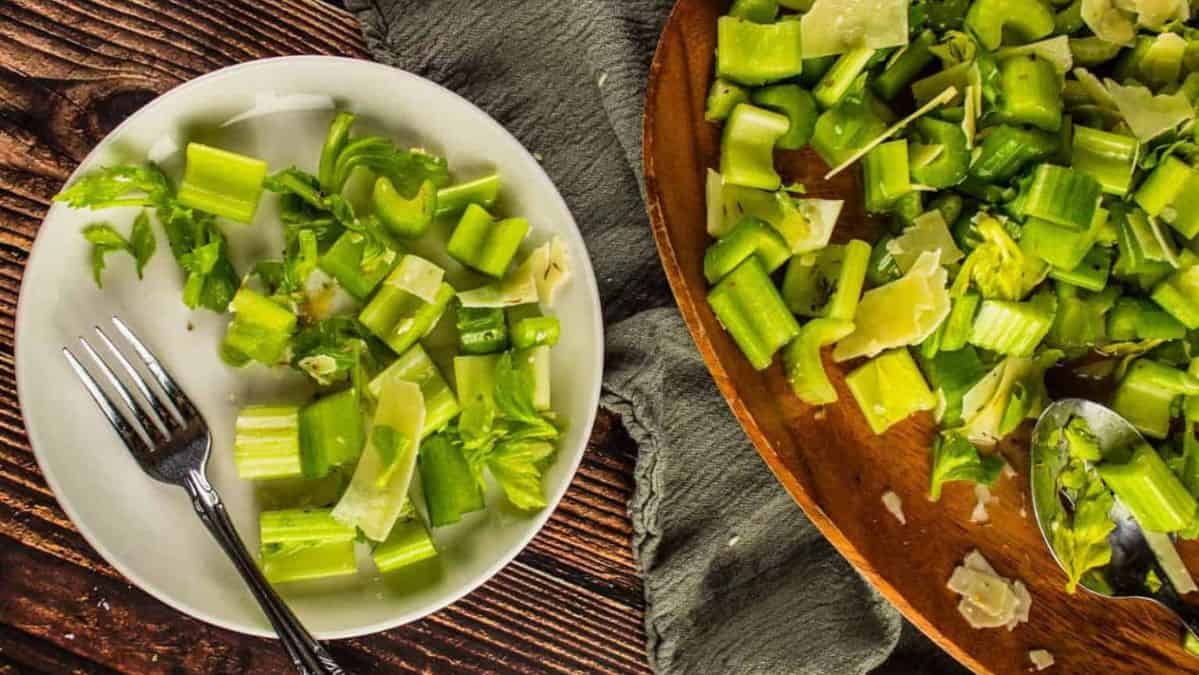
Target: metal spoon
(1134, 551)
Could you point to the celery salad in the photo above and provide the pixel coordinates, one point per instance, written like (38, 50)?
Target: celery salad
(1033, 166)
(395, 417)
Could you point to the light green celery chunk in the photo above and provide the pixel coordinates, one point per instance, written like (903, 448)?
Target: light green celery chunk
(474, 377)
(451, 488)
(1151, 491)
(369, 504)
(485, 244)
(991, 19)
(222, 183)
(1013, 328)
(851, 278)
(1178, 294)
(406, 217)
(1147, 392)
(415, 366)
(955, 458)
(798, 105)
(723, 96)
(1108, 157)
(536, 362)
(1171, 193)
(885, 175)
(751, 237)
(837, 81)
(399, 318)
(290, 526)
(752, 311)
(454, 199)
(331, 432)
(266, 442)
(753, 54)
(343, 261)
(1030, 92)
(1062, 196)
(889, 388)
(803, 364)
(260, 329)
(759, 11)
(408, 543)
(283, 563)
(747, 147)
(1058, 245)
(1091, 273)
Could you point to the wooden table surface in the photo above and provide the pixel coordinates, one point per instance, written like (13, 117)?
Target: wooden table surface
(71, 70)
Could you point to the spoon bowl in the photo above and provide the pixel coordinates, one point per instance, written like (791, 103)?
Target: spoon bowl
(1135, 551)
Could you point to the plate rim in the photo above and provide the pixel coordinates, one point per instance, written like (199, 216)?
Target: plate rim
(583, 271)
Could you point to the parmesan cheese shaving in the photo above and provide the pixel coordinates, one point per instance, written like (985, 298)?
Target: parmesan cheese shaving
(1149, 116)
(1055, 50)
(417, 276)
(837, 26)
(519, 288)
(821, 215)
(1040, 659)
(983, 497)
(1109, 22)
(163, 149)
(894, 506)
(549, 267)
(270, 103)
(901, 313)
(928, 232)
(988, 600)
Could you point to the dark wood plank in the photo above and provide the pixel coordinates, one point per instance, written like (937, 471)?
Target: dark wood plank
(70, 71)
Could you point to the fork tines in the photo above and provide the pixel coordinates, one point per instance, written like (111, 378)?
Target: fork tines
(146, 421)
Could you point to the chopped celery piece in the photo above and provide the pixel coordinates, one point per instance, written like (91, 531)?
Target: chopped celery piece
(751, 237)
(851, 278)
(1171, 193)
(1080, 321)
(956, 77)
(928, 232)
(846, 128)
(535, 363)
(408, 543)
(1147, 392)
(417, 276)
(485, 244)
(753, 54)
(482, 330)
(956, 334)
(1060, 245)
(222, 183)
(811, 279)
(1178, 294)
(266, 442)
(989, 20)
(1030, 92)
(1139, 319)
(985, 405)
(890, 131)
(1062, 196)
(406, 217)
(1006, 150)
(330, 432)
(803, 364)
(474, 377)
(535, 331)
(450, 486)
(1091, 273)
(904, 68)
(399, 318)
(293, 526)
(752, 311)
(344, 262)
(416, 367)
(955, 458)
(368, 505)
(903, 312)
(260, 330)
(1142, 243)
(1108, 158)
(837, 81)
(885, 175)
(951, 374)
(949, 166)
(747, 147)
(723, 96)
(798, 105)
(1162, 62)
(1151, 491)
(1013, 328)
(889, 388)
(454, 199)
(282, 563)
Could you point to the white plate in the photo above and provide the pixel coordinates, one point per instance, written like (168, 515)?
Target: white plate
(148, 530)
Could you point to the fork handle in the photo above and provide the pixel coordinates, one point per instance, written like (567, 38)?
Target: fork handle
(309, 656)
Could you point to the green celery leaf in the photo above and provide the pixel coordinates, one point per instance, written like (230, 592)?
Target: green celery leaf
(103, 234)
(956, 459)
(518, 467)
(331, 349)
(118, 186)
(142, 242)
(1080, 541)
(105, 239)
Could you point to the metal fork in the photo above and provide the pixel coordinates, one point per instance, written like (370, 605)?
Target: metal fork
(171, 443)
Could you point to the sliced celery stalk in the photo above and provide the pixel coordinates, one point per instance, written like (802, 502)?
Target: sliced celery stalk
(331, 432)
(282, 563)
(803, 363)
(1178, 294)
(1109, 158)
(951, 374)
(482, 330)
(747, 147)
(885, 175)
(485, 244)
(798, 105)
(343, 262)
(1058, 245)
(260, 329)
(811, 279)
(292, 526)
(1031, 92)
(408, 543)
(1151, 491)
(723, 96)
(222, 183)
(454, 199)
(266, 442)
(1091, 273)
(991, 19)
(914, 58)
(752, 311)
(1080, 321)
(758, 11)
(889, 388)
(956, 333)
(450, 487)
(416, 367)
(751, 237)
(534, 331)
(418, 276)
(1008, 149)
(1012, 328)
(474, 377)
(406, 217)
(837, 81)
(1146, 393)
(1171, 193)
(369, 504)
(754, 54)
(1062, 196)
(400, 318)
(851, 278)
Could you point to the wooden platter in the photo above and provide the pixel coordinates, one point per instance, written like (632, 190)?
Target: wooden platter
(828, 459)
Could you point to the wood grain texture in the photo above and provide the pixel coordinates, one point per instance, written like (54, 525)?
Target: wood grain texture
(832, 464)
(70, 71)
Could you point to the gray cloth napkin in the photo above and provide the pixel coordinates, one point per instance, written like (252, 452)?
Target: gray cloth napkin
(736, 578)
